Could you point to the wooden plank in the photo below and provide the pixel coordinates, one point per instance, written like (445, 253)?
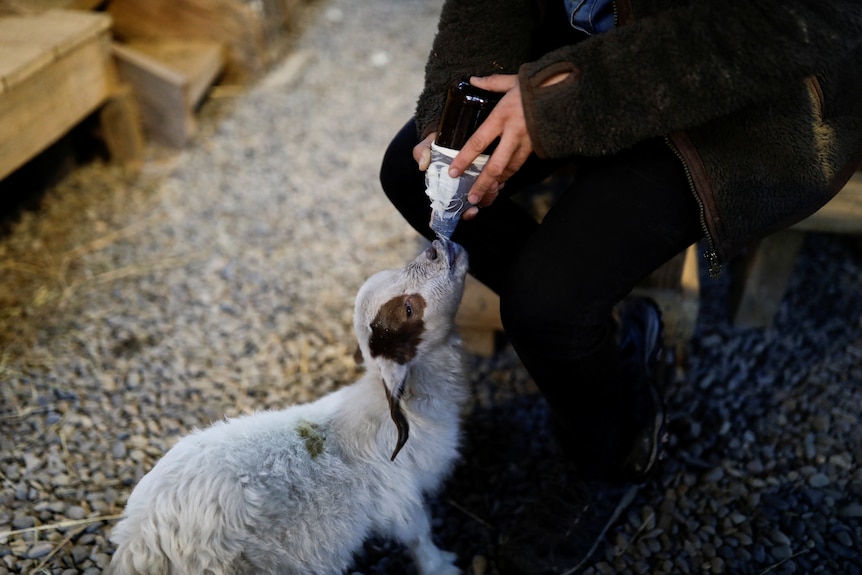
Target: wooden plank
(197, 62)
(842, 215)
(19, 62)
(39, 6)
(690, 277)
(40, 108)
(127, 54)
(757, 292)
(231, 23)
(56, 31)
(119, 120)
(161, 96)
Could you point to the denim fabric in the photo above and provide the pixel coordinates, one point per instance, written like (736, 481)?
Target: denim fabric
(590, 16)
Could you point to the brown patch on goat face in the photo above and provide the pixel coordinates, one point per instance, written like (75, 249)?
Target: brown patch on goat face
(397, 329)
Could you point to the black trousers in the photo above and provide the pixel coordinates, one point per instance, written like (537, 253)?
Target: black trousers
(618, 219)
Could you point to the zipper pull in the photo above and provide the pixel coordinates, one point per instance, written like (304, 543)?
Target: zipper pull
(714, 268)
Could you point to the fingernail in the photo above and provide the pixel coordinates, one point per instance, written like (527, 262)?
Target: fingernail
(453, 173)
(473, 199)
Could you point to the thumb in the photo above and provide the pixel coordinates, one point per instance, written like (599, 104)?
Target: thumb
(422, 152)
(495, 82)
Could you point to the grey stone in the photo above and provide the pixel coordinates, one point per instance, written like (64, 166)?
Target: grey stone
(39, 550)
(75, 512)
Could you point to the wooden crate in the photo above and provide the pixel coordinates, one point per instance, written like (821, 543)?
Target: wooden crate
(169, 78)
(55, 69)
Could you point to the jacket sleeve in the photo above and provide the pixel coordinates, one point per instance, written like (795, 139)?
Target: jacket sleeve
(474, 38)
(679, 68)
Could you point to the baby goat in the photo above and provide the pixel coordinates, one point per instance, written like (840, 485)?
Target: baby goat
(297, 491)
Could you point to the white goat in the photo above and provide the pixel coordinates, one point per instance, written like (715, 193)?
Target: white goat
(297, 491)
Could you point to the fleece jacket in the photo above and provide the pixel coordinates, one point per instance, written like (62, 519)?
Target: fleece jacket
(761, 100)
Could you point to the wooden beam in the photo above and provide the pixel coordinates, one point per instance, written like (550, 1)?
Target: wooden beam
(757, 293)
(120, 124)
(23, 7)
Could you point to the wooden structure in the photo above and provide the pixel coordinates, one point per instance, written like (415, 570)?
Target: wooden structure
(55, 70)
(140, 62)
(169, 78)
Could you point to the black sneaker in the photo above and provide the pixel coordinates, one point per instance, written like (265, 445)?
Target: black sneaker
(641, 341)
(567, 523)
(640, 335)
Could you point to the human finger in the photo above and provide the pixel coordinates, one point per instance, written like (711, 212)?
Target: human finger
(495, 82)
(422, 151)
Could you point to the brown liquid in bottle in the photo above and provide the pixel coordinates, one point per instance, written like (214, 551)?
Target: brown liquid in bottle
(466, 108)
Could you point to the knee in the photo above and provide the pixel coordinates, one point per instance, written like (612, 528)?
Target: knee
(527, 311)
(540, 308)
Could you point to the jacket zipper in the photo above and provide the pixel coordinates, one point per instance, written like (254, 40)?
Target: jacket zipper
(711, 255)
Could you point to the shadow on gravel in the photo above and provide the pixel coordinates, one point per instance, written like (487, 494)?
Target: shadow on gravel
(23, 190)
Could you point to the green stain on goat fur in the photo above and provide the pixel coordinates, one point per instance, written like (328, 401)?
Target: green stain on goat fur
(314, 440)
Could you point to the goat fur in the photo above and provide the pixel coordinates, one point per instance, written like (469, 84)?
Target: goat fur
(297, 491)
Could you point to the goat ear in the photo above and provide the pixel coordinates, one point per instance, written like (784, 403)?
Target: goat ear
(357, 355)
(394, 377)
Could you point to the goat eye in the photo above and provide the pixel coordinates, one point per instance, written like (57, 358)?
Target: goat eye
(408, 309)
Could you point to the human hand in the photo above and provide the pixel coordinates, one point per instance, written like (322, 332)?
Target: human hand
(505, 121)
(422, 151)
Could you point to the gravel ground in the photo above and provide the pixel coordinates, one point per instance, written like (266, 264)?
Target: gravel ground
(220, 280)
